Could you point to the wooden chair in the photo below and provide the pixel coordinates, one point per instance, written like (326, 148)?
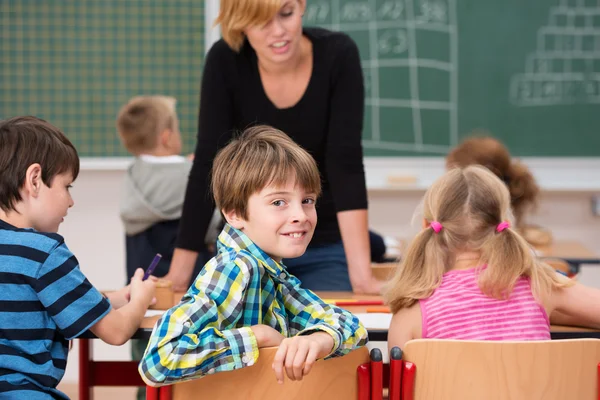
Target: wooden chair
(540, 370)
(331, 379)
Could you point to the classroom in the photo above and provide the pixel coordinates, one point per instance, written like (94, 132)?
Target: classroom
(435, 72)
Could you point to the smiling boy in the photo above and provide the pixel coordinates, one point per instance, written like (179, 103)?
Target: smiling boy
(266, 186)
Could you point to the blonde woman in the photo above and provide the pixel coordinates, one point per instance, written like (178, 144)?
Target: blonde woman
(308, 83)
(469, 275)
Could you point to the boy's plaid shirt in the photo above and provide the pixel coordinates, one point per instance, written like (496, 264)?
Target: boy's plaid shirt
(209, 330)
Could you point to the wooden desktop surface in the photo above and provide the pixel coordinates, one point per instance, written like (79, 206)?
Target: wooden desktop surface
(148, 322)
(567, 249)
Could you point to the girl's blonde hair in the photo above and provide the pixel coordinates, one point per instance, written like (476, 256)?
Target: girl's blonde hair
(237, 15)
(469, 204)
(489, 152)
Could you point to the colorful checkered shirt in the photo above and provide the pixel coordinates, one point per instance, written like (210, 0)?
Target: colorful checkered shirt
(209, 330)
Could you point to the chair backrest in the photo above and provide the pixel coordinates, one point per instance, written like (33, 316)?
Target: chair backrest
(539, 370)
(335, 378)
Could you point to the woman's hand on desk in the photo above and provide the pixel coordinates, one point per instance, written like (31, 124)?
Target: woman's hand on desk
(370, 285)
(181, 269)
(298, 354)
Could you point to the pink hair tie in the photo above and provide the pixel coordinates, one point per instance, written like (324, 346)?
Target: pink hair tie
(436, 226)
(502, 226)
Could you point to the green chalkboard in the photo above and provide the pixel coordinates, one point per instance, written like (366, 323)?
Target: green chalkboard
(75, 62)
(527, 71)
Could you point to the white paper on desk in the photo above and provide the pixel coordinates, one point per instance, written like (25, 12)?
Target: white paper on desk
(375, 320)
(152, 313)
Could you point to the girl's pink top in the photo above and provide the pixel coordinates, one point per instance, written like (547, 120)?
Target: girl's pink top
(459, 310)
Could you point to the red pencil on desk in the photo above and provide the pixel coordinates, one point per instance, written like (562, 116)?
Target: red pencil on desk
(358, 302)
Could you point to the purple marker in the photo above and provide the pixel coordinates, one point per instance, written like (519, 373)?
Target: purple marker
(153, 265)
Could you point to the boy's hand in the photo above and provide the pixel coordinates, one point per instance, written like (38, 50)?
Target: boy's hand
(299, 353)
(266, 336)
(142, 291)
(120, 297)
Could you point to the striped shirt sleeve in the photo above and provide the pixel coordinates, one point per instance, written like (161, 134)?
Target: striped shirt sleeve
(198, 336)
(310, 314)
(70, 299)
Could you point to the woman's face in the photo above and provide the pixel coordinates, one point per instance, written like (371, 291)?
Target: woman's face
(279, 40)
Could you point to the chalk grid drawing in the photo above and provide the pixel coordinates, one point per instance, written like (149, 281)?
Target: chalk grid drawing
(565, 67)
(409, 55)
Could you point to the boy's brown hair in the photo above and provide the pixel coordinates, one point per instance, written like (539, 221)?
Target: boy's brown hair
(260, 156)
(28, 140)
(143, 119)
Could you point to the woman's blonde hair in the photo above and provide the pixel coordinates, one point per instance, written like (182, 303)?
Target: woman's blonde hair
(469, 204)
(237, 15)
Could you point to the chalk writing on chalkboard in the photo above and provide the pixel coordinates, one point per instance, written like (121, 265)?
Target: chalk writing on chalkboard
(408, 82)
(565, 67)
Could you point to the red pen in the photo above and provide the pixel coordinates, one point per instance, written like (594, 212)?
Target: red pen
(350, 302)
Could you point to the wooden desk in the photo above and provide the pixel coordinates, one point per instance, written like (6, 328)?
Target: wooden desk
(124, 373)
(378, 334)
(571, 251)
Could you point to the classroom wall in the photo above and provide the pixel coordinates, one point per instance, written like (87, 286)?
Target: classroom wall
(93, 232)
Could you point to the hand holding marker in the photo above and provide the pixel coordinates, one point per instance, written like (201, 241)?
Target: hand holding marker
(152, 266)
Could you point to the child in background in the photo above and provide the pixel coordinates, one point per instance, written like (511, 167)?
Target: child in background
(266, 186)
(45, 300)
(521, 184)
(154, 189)
(468, 275)
(154, 186)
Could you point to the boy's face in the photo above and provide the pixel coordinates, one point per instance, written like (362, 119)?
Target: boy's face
(52, 204)
(281, 220)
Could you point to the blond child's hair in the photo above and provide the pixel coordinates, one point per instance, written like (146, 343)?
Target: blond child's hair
(143, 119)
(485, 150)
(237, 15)
(469, 203)
(260, 156)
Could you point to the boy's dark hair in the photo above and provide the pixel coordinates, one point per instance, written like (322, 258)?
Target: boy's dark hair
(28, 140)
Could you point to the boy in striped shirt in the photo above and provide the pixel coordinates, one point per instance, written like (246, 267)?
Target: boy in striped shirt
(45, 300)
(266, 186)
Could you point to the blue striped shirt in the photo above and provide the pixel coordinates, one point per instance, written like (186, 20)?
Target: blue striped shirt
(45, 300)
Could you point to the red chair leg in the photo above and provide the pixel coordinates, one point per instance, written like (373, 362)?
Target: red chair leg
(364, 381)
(86, 369)
(376, 374)
(408, 381)
(152, 393)
(165, 392)
(395, 373)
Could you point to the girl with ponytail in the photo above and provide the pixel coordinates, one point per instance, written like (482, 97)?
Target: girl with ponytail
(522, 187)
(469, 275)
